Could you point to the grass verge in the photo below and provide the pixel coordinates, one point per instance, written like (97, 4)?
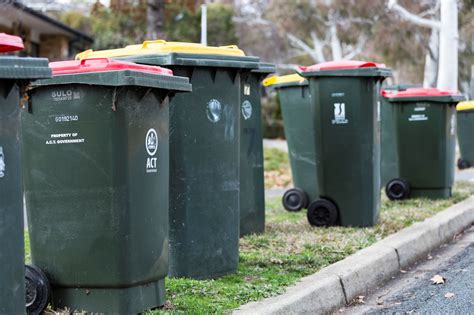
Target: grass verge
(277, 168)
(291, 249)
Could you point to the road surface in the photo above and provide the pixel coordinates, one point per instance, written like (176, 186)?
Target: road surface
(412, 290)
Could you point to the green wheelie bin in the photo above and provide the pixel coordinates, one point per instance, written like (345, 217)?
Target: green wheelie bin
(15, 76)
(298, 122)
(204, 151)
(252, 183)
(465, 113)
(96, 176)
(425, 123)
(344, 98)
(388, 150)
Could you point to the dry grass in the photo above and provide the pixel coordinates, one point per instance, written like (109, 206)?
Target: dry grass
(291, 249)
(277, 168)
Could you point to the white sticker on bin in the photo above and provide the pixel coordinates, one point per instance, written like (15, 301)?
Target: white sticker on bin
(151, 146)
(417, 117)
(339, 114)
(2, 163)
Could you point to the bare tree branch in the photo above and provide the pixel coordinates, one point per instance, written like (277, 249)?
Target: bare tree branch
(318, 47)
(336, 47)
(258, 21)
(301, 44)
(357, 50)
(357, 20)
(405, 14)
(287, 66)
(431, 11)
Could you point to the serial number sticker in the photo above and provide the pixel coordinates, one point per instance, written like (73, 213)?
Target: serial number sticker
(66, 118)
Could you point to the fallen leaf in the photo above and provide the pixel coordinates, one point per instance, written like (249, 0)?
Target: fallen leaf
(360, 299)
(430, 257)
(403, 271)
(449, 295)
(437, 279)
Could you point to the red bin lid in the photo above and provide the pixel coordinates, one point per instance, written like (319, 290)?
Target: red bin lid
(10, 43)
(342, 65)
(102, 65)
(417, 92)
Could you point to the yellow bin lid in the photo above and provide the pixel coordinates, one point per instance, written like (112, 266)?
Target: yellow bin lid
(162, 47)
(283, 79)
(467, 105)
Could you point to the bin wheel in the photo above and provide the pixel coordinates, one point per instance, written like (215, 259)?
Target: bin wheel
(397, 189)
(294, 199)
(322, 212)
(37, 290)
(463, 164)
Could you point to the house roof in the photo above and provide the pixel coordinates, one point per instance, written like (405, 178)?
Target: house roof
(36, 19)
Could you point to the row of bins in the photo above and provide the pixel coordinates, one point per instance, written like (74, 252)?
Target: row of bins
(338, 122)
(138, 163)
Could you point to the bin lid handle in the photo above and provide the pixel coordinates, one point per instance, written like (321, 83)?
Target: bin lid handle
(157, 41)
(229, 47)
(84, 61)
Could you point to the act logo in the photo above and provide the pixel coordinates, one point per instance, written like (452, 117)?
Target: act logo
(246, 110)
(339, 114)
(214, 110)
(151, 145)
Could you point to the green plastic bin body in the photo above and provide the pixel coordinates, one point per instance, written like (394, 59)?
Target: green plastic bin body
(298, 122)
(466, 134)
(96, 149)
(205, 163)
(425, 128)
(388, 152)
(15, 75)
(347, 140)
(252, 183)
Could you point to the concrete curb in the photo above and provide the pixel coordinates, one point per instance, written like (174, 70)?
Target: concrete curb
(339, 283)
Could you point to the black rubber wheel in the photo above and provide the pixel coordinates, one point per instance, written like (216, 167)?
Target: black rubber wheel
(294, 199)
(463, 164)
(37, 290)
(397, 189)
(322, 212)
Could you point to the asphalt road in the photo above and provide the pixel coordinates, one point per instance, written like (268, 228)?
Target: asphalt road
(413, 292)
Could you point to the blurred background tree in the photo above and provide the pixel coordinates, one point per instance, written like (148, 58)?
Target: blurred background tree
(287, 33)
(126, 22)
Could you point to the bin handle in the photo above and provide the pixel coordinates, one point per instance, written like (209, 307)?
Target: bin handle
(270, 81)
(84, 61)
(158, 41)
(230, 47)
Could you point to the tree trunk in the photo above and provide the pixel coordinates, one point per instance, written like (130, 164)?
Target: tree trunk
(431, 60)
(448, 52)
(472, 82)
(336, 48)
(155, 19)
